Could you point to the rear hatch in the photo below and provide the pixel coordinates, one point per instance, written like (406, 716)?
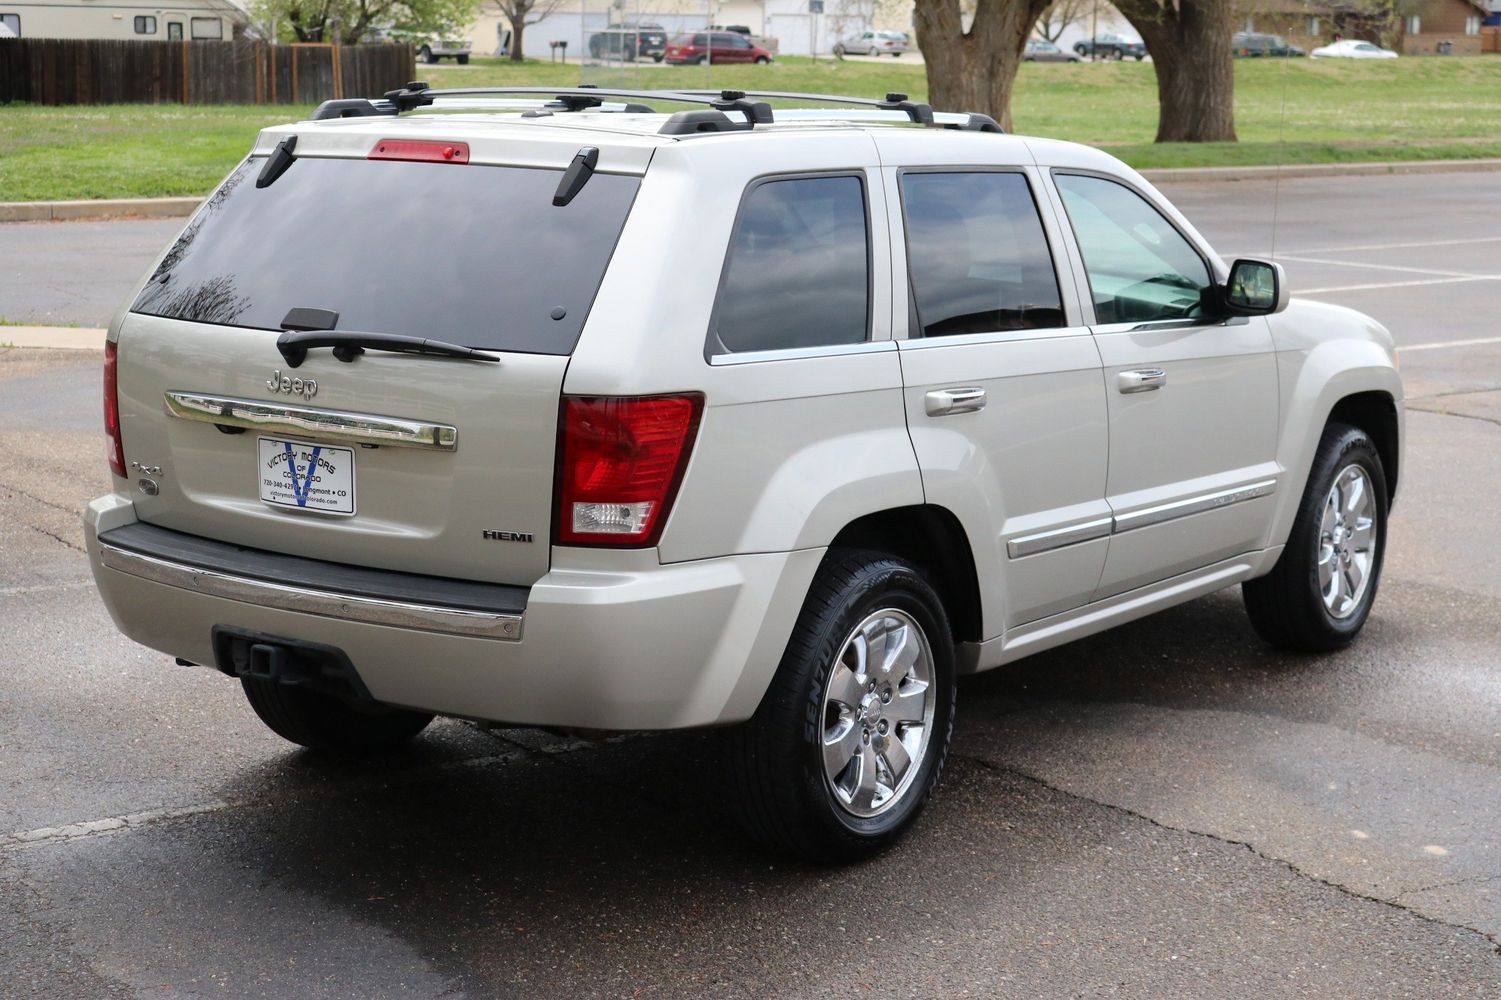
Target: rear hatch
(408, 462)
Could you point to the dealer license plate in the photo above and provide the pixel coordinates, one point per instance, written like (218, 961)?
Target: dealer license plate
(306, 476)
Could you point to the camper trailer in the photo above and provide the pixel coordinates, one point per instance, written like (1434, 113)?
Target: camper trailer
(162, 20)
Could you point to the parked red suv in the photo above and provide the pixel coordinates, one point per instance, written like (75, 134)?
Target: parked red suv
(728, 47)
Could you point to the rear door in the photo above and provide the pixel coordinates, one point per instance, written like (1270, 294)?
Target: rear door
(1003, 389)
(396, 461)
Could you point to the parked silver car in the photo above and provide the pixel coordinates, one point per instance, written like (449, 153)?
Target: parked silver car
(1042, 50)
(916, 400)
(872, 43)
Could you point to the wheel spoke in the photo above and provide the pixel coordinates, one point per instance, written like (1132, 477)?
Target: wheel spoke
(845, 687)
(907, 703)
(1327, 559)
(1363, 535)
(902, 656)
(1332, 591)
(876, 638)
(856, 656)
(897, 759)
(865, 781)
(1355, 493)
(840, 745)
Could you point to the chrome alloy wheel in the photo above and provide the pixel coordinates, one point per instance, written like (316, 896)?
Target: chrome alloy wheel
(878, 713)
(1347, 541)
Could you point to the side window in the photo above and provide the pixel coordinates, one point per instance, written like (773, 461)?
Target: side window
(1140, 268)
(207, 27)
(977, 256)
(13, 22)
(798, 269)
(174, 31)
(145, 25)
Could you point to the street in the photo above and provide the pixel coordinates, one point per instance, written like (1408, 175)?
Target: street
(1170, 809)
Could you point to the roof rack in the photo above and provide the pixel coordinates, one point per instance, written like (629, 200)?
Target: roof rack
(749, 106)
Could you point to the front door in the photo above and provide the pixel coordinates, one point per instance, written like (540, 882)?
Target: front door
(1003, 386)
(174, 31)
(1192, 395)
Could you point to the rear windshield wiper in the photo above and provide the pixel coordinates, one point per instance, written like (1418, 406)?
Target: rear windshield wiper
(348, 344)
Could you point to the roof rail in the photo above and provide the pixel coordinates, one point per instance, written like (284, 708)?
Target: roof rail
(713, 118)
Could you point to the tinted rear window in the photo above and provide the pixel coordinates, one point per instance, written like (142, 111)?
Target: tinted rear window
(475, 255)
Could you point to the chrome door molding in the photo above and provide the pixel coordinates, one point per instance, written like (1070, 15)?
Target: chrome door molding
(1057, 538)
(309, 422)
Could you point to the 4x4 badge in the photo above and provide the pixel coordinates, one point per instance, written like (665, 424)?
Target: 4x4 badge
(304, 387)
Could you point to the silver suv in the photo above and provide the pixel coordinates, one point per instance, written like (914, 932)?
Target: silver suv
(779, 421)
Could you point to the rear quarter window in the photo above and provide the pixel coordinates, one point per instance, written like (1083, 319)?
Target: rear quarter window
(475, 255)
(797, 273)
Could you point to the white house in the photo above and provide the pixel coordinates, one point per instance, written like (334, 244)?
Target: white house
(152, 20)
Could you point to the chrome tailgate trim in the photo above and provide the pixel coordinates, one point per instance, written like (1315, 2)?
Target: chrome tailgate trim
(306, 421)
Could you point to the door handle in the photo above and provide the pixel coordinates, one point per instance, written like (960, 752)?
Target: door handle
(941, 402)
(1141, 380)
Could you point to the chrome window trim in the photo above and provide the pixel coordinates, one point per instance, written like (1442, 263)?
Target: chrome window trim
(1159, 513)
(795, 353)
(307, 421)
(328, 604)
(1057, 538)
(994, 337)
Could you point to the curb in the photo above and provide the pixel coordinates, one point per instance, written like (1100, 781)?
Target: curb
(98, 208)
(1295, 171)
(169, 208)
(65, 337)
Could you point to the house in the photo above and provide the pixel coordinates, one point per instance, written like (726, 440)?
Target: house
(153, 20)
(1428, 27)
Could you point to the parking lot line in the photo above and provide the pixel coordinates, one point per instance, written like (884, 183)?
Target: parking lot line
(1381, 267)
(1329, 289)
(1472, 342)
(1413, 245)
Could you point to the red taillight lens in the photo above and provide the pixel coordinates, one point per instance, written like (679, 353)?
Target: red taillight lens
(620, 461)
(420, 150)
(114, 448)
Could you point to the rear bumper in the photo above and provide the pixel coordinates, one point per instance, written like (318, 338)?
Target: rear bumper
(621, 643)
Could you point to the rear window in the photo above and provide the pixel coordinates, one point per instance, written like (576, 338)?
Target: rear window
(474, 255)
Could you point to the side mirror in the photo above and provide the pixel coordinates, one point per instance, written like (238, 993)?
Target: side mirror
(1255, 288)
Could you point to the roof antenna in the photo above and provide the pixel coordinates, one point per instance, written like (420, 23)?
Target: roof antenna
(278, 162)
(576, 176)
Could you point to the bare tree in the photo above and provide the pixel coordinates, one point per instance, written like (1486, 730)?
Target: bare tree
(1062, 15)
(1189, 42)
(975, 69)
(522, 13)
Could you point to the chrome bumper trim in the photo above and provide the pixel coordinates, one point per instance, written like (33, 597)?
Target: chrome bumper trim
(1193, 505)
(1046, 541)
(306, 421)
(329, 604)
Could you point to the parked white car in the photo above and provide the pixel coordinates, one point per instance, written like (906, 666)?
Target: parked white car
(872, 43)
(1351, 48)
(775, 421)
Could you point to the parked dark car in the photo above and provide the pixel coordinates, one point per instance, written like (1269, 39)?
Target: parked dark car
(727, 47)
(1042, 50)
(1252, 44)
(1108, 45)
(629, 42)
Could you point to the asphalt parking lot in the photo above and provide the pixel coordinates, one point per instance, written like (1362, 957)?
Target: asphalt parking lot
(1171, 809)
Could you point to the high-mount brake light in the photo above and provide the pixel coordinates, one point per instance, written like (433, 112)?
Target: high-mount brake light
(114, 447)
(620, 461)
(421, 150)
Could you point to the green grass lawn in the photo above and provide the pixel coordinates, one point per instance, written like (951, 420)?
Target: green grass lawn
(1287, 111)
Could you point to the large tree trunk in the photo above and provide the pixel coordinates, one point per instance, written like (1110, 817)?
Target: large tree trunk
(975, 70)
(1190, 49)
(518, 25)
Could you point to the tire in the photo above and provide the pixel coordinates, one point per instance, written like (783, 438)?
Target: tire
(657, 58)
(1080, 50)
(780, 786)
(426, 55)
(1140, 57)
(462, 59)
(874, 52)
(328, 724)
(1289, 607)
(838, 51)
(762, 60)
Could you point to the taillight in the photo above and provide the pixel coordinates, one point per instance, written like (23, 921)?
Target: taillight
(620, 460)
(114, 447)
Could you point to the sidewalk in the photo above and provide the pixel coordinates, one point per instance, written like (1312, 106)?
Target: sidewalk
(67, 337)
(163, 208)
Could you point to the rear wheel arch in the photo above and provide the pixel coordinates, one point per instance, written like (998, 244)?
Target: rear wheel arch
(1374, 412)
(932, 539)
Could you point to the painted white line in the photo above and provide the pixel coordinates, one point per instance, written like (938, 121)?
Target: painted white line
(1474, 342)
(1416, 245)
(1385, 267)
(1392, 284)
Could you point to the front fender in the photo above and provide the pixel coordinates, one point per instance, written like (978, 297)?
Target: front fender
(1324, 354)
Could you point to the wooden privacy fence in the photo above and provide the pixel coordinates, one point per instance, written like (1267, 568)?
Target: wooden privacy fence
(1490, 39)
(105, 71)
